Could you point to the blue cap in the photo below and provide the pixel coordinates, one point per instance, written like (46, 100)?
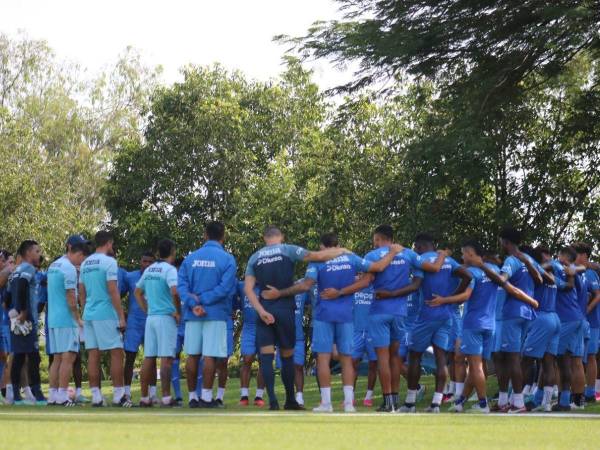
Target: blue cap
(78, 239)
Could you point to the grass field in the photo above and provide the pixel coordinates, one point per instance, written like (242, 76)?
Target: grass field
(250, 427)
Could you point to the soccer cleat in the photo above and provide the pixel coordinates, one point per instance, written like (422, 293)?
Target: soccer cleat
(81, 399)
(386, 408)
(368, 403)
(219, 403)
(172, 404)
(477, 409)
(145, 404)
(500, 408)
(193, 403)
(41, 403)
(207, 405)
(447, 398)
(323, 408)
(244, 401)
(542, 408)
(561, 408)
(456, 408)
(24, 402)
(349, 408)
(100, 404)
(576, 407)
(274, 406)
(407, 409)
(179, 402)
(421, 392)
(530, 405)
(68, 404)
(259, 402)
(433, 409)
(123, 403)
(517, 410)
(293, 406)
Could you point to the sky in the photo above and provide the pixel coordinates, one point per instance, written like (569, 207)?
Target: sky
(172, 33)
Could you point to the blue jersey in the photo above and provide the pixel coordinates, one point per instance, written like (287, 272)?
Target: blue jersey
(593, 285)
(567, 306)
(133, 309)
(480, 309)
(362, 305)
(413, 306)
(545, 294)
(96, 271)
(62, 277)
(122, 284)
(156, 283)
(441, 283)
(518, 276)
(300, 300)
(273, 265)
(337, 273)
(27, 272)
(395, 276)
(249, 314)
(207, 278)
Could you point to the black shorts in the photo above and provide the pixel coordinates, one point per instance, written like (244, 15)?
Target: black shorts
(282, 333)
(24, 344)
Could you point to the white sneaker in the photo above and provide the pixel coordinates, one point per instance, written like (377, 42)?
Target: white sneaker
(456, 408)
(433, 409)
(349, 408)
(575, 407)
(323, 408)
(476, 409)
(407, 409)
(543, 408)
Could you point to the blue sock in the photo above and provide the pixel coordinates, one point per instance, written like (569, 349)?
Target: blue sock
(199, 378)
(590, 391)
(460, 400)
(482, 402)
(176, 378)
(539, 396)
(565, 398)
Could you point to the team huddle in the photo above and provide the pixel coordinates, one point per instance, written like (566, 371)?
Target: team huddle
(531, 318)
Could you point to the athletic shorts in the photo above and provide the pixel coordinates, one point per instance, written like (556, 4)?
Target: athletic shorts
(497, 344)
(409, 324)
(134, 334)
(102, 334)
(282, 333)
(299, 353)
(592, 346)
(385, 329)
(325, 334)
(206, 337)
(426, 333)
(513, 336)
(571, 338)
(25, 344)
(363, 346)
(5, 339)
(477, 342)
(543, 335)
(248, 340)
(160, 337)
(455, 331)
(63, 340)
(229, 338)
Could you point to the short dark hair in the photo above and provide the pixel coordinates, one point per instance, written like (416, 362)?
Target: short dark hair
(25, 246)
(215, 231)
(527, 249)
(424, 238)
(329, 240)
(103, 237)
(80, 248)
(511, 234)
(272, 231)
(385, 230)
(475, 245)
(543, 250)
(569, 252)
(165, 248)
(5, 253)
(148, 254)
(583, 247)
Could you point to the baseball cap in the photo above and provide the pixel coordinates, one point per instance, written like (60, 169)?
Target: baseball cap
(78, 239)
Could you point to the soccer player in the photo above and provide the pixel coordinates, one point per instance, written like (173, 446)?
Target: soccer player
(136, 323)
(433, 326)
(206, 280)
(64, 319)
(584, 252)
(156, 295)
(272, 268)
(24, 336)
(362, 346)
(249, 350)
(103, 318)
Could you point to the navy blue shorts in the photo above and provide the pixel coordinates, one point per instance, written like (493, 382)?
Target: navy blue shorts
(282, 333)
(25, 344)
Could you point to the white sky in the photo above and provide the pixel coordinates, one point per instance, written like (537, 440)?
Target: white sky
(236, 33)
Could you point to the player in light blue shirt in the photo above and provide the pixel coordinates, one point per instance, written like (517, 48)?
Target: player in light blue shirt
(64, 320)
(104, 320)
(156, 295)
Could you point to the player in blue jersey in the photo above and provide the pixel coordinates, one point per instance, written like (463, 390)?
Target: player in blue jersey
(362, 347)
(156, 295)
(249, 350)
(136, 322)
(433, 326)
(272, 270)
(592, 285)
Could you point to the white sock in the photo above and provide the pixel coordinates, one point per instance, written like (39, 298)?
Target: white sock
(192, 395)
(207, 395)
(452, 387)
(503, 398)
(78, 392)
(548, 391)
(369, 395)
(220, 393)
(526, 389)
(326, 395)
(166, 400)
(260, 393)
(128, 391)
(152, 391)
(244, 392)
(348, 395)
(118, 393)
(597, 385)
(518, 400)
(96, 395)
(458, 389)
(300, 398)
(62, 395)
(10, 394)
(28, 393)
(411, 396)
(437, 398)
(52, 395)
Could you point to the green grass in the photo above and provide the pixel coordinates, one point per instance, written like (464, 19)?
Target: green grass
(105, 428)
